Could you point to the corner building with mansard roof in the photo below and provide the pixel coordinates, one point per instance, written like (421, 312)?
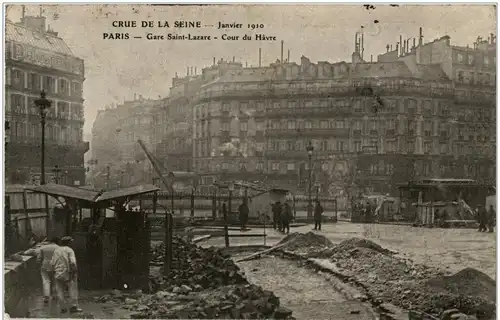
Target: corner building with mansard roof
(422, 110)
(37, 59)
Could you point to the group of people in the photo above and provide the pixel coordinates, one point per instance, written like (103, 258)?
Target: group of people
(59, 273)
(282, 216)
(486, 218)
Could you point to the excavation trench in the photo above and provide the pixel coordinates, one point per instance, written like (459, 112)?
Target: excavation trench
(309, 294)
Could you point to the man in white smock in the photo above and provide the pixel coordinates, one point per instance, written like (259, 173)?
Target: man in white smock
(65, 275)
(44, 255)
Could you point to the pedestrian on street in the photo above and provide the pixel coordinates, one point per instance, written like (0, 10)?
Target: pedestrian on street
(318, 212)
(243, 210)
(277, 216)
(491, 218)
(483, 217)
(65, 275)
(44, 257)
(287, 217)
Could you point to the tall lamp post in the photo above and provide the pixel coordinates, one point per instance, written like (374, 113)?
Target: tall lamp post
(310, 150)
(43, 104)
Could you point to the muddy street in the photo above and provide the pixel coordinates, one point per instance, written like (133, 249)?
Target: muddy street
(308, 294)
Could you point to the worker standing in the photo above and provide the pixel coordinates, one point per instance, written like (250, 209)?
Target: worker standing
(45, 254)
(243, 210)
(287, 217)
(277, 216)
(65, 275)
(491, 218)
(482, 217)
(318, 212)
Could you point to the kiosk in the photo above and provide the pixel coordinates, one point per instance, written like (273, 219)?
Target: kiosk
(111, 252)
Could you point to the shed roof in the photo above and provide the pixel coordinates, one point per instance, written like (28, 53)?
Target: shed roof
(91, 195)
(65, 191)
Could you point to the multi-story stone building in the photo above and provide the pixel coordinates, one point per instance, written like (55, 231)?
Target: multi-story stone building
(173, 123)
(37, 59)
(114, 143)
(372, 124)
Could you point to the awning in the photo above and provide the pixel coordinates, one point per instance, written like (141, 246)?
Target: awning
(127, 192)
(65, 191)
(91, 195)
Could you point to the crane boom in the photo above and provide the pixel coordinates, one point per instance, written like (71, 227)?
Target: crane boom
(154, 162)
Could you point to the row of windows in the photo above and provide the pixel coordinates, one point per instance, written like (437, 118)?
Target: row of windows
(22, 104)
(22, 130)
(52, 85)
(470, 59)
(474, 78)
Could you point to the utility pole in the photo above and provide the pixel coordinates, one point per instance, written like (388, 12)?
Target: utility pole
(310, 150)
(108, 174)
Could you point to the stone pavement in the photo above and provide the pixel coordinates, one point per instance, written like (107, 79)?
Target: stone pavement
(109, 310)
(451, 249)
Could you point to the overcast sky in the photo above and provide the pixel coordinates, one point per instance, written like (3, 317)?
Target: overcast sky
(116, 69)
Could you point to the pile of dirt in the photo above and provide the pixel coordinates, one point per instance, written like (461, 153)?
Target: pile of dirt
(305, 243)
(389, 278)
(468, 281)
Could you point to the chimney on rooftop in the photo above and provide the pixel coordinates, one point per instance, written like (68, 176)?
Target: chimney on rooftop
(397, 48)
(288, 58)
(214, 61)
(195, 70)
(187, 72)
(420, 37)
(233, 58)
(387, 48)
(414, 43)
(391, 48)
(401, 45)
(282, 43)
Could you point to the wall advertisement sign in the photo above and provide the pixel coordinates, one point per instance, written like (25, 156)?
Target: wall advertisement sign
(43, 58)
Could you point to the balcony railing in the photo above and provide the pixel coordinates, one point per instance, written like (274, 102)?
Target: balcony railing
(235, 91)
(308, 132)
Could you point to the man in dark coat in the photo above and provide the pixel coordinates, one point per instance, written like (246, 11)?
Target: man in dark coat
(491, 218)
(287, 217)
(243, 210)
(483, 219)
(318, 212)
(277, 216)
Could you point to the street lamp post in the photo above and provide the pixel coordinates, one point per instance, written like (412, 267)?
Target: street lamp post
(310, 150)
(43, 104)
(56, 172)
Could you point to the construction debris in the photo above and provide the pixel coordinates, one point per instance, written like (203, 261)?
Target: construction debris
(195, 266)
(388, 278)
(202, 284)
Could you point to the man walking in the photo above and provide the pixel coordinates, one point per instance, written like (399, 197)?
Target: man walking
(318, 212)
(45, 254)
(491, 218)
(65, 275)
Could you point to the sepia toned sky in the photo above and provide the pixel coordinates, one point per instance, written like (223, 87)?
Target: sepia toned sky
(116, 69)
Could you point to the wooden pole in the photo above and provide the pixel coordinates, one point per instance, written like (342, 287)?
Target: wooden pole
(226, 228)
(192, 202)
(26, 214)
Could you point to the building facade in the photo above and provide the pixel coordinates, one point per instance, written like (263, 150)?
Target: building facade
(118, 158)
(37, 59)
(426, 110)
